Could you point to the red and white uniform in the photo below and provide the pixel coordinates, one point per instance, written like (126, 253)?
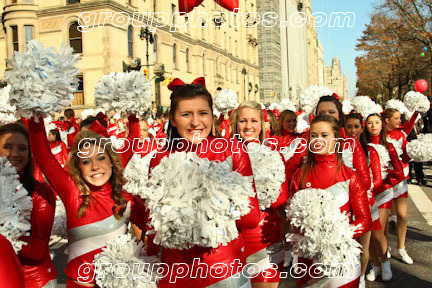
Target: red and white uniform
(231, 256)
(346, 187)
(357, 160)
(383, 194)
(72, 129)
(287, 138)
(126, 152)
(11, 273)
(35, 257)
(264, 244)
(86, 235)
(59, 150)
(377, 180)
(398, 137)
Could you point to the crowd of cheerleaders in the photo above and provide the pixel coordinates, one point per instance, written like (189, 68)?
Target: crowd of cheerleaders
(366, 185)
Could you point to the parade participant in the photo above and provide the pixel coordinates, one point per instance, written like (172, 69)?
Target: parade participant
(329, 105)
(190, 130)
(274, 124)
(287, 129)
(354, 128)
(97, 208)
(264, 244)
(70, 126)
(324, 169)
(35, 258)
(11, 271)
(398, 137)
(383, 194)
(58, 148)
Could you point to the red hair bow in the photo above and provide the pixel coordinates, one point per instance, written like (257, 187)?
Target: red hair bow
(177, 83)
(336, 96)
(265, 115)
(186, 6)
(97, 127)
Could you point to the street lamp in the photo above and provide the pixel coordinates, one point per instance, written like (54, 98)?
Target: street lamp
(148, 36)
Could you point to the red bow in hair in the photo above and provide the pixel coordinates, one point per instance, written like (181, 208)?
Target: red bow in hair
(276, 113)
(97, 127)
(186, 6)
(177, 83)
(336, 96)
(103, 117)
(265, 115)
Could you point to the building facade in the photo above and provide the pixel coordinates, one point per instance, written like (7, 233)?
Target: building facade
(335, 80)
(212, 43)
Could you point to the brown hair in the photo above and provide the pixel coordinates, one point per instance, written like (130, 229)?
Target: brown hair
(383, 139)
(216, 126)
(310, 161)
(253, 105)
(117, 180)
(282, 119)
(338, 105)
(274, 124)
(28, 175)
(387, 114)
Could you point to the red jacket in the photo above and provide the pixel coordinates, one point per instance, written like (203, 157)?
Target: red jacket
(59, 150)
(11, 273)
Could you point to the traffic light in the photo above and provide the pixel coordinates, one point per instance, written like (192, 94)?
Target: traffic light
(146, 73)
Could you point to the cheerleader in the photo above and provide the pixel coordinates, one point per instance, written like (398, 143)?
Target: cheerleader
(287, 127)
(264, 244)
(329, 105)
(70, 126)
(383, 194)
(354, 128)
(35, 258)
(324, 170)
(146, 143)
(97, 209)
(11, 271)
(398, 136)
(191, 116)
(58, 148)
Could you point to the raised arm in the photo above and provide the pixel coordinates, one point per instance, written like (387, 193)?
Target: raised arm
(126, 152)
(409, 125)
(56, 175)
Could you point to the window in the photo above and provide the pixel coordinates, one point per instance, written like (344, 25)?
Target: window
(75, 38)
(204, 64)
(187, 60)
(79, 93)
(186, 21)
(203, 23)
(172, 13)
(130, 41)
(174, 56)
(15, 38)
(28, 34)
(236, 48)
(73, 1)
(154, 49)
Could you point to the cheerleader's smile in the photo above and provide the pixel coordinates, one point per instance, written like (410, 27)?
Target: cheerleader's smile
(249, 123)
(15, 147)
(96, 169)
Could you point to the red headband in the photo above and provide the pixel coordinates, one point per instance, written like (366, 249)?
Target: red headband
(336, 96)
(265, 115)
(176, 83)
(97, 127)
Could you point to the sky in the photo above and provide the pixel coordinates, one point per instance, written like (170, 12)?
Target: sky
(341, 42)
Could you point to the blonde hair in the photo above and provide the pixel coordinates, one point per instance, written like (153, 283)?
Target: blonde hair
(117, 180)
(252, 105)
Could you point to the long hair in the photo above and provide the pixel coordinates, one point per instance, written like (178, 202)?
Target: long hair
(117, 180)
(28, 173)
(362, 135)
(274, 124)
(310, 160)
(253, 105)
(185, 92)
(282, 117)
(383, 137)
(336, 103)
(56, 133)
(216, 126)
(388, 113)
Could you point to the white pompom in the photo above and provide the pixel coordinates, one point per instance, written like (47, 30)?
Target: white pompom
(302, 123)
(136, 173)
(226, 100)
(216, 112)
(15, 206)
(42, 81)
(121, 264)
(6, 110)
(269, 173)
(287, 104)
(416, 101)
(347, 107)
(186, 211)
(60, 223)
(384, 158)
(277, 106)
(365, 106)
(419, 151)
(87, 113)
(327, 236)
(126, 93)
(309, 98)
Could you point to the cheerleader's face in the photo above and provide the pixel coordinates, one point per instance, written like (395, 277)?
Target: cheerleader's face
(51, 137)
(289, 123)
(374, 125)
(144, 130)
(394, 122)
(328, 108)
(96, 169)
(193, 119)
(353, 128)
(249, 123)
(14, 147)
(322, 138)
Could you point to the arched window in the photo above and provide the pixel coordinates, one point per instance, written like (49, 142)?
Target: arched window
(155, 49)
(130, 41)
(175, 55)
(75, 38)
(187, 60)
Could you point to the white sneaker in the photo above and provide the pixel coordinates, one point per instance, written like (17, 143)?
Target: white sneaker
(393, 218)
(288, 258)
(362, 283)
(388, 252)
(386, 271)
(405, 257)
(373, 273)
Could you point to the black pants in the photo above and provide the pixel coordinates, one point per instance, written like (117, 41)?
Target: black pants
(418, 169)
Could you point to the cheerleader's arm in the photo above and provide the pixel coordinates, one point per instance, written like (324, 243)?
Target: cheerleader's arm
(359, 205)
